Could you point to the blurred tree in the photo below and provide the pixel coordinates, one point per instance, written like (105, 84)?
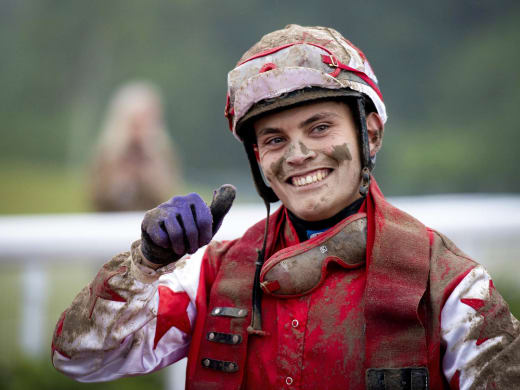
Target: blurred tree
(446, 68)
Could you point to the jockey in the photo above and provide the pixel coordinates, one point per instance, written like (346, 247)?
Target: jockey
(337, 289)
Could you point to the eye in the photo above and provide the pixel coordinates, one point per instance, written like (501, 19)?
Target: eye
(320, 128)
(273, 141)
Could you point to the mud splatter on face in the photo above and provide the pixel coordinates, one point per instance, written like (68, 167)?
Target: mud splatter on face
(340, 153)
(304, 148)
(277, 168)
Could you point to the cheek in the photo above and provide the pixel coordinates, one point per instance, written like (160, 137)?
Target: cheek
(276, 168)
(341, 153)
(338, 153)
(272, 167)
(273, 163)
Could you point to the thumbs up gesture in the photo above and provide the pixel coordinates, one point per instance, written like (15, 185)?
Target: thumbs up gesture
(183, 224)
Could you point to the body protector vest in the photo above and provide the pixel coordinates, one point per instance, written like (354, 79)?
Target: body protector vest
(396, 250)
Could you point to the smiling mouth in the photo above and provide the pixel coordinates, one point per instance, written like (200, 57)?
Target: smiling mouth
(309, 178)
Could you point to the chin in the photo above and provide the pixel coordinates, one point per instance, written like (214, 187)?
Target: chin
(311, 213)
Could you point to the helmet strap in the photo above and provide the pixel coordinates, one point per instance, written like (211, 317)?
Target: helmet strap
(366, 161)
(263, 189)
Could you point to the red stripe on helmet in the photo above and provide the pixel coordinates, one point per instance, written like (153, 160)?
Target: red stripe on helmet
(229, 114)
(326, 59)
(331, 60)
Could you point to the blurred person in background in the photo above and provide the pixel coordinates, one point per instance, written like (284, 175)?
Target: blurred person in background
(134, 166)
(337, 289)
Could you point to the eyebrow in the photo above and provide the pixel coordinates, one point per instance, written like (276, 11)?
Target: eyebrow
(264, 132)
(268, 130)
(317, 117)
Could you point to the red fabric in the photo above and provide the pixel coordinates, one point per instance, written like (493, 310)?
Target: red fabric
(100, 288)
(476, 304)
(454, 283)
(430, 237)
(230, 285)
(485, 308)
(398, 260)
(172, 312)
(57, 334)
(331, 60)
(335, 72)
(455, 381)
(266, 67)
(227, 113)
(316, 340)
(207, 277)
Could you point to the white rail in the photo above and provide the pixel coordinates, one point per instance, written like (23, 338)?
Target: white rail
(485, 227)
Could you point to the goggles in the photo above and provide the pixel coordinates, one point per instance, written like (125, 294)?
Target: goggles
(293, 272)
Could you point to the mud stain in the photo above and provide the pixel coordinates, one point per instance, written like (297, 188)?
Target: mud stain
(277, 168)
(303, 148)
(181, 263)
(337, 153)
(340, 153)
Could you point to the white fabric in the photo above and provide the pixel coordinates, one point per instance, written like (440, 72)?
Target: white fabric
(457, 320)
(121, 341)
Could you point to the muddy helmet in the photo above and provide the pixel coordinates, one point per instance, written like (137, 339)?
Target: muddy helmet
(295, 65)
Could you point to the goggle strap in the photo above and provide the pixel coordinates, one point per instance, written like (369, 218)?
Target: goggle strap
(256, 314)
(263, 189)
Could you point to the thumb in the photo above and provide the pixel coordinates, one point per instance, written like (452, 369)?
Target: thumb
(223, 198)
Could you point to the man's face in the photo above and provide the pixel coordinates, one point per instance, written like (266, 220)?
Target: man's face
(310, 157)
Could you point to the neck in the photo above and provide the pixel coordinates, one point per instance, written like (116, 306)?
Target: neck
(305, 228)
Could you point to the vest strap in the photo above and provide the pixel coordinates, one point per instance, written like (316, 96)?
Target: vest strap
(220, 365)
(225, 338)
(234, 312)
(398, 266)
(407, 378)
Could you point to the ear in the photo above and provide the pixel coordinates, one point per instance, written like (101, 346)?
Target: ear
(257, 155)
(375, 129)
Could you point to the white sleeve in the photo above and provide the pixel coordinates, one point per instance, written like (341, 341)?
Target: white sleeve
(477, 328)
(130, 320)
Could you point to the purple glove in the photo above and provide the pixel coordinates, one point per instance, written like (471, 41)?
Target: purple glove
(183, 224)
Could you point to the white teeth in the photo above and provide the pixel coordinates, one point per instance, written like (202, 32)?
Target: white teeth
(309, 179)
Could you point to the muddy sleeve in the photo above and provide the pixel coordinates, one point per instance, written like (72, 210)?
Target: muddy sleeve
(481, 336)
(129, 320)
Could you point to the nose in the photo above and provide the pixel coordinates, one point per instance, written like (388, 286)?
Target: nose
(298, 154)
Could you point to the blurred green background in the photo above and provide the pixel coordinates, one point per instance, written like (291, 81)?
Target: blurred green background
(448, 71)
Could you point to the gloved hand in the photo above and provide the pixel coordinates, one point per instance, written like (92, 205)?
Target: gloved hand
(183, 224)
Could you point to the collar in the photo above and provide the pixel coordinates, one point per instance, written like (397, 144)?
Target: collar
(307, 229)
